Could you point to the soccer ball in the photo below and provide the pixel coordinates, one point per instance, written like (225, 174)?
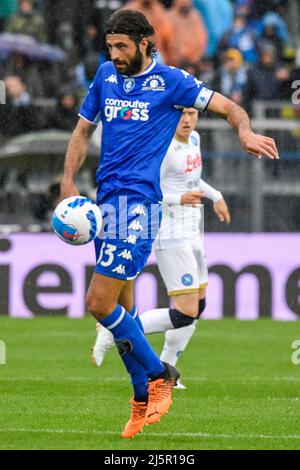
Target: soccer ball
(77, 220)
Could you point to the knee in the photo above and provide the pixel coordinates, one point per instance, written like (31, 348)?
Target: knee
(97, 305)
(93, 305)
(187, 304)
(180, 319)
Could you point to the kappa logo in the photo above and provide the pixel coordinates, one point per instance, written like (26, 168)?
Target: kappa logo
(139, 210)
(112, 79)
(120, 269)
(186, 74)
(135, 225)
(154, 83)
(125, 254)
(198, 82)
(131, 239)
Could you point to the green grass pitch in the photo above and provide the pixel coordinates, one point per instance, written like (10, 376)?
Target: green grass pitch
(242, 389)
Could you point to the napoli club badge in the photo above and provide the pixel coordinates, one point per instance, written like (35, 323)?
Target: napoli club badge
(187, 279)
(128, 84)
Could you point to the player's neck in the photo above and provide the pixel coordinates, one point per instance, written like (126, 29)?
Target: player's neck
(147, 62)
(183, 140)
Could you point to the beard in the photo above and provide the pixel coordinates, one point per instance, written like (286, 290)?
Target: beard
(134, 66)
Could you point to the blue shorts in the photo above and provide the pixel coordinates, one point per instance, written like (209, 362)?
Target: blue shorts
(130, 226)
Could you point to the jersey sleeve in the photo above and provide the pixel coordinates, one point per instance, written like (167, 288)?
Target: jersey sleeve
(211, 193)
(188, 91)
(90, 108)
(171, 199)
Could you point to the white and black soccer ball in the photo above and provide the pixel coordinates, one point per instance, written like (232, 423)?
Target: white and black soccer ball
(77, 220)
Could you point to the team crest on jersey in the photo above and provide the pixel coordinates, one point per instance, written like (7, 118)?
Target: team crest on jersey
(194, 140)
(154, 83)
(187, 279)
(129, 84)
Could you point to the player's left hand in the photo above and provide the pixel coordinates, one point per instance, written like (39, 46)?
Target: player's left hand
(259, 146)
(222, 212)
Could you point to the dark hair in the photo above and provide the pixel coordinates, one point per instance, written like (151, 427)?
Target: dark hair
(134, 24)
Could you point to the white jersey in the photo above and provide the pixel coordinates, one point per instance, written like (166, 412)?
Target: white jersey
(180, 173)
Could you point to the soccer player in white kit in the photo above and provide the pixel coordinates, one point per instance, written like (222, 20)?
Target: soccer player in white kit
(179, 245)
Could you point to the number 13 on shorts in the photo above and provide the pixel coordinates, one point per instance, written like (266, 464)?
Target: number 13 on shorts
(106, 256)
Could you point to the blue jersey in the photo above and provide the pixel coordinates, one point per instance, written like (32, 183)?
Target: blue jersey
(139, 115)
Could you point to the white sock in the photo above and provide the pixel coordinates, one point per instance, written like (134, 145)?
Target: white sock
(156, 320)
(175, 343)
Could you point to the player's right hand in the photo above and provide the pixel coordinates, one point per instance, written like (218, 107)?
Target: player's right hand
(192, 197)
(222, 212)
(67, 189)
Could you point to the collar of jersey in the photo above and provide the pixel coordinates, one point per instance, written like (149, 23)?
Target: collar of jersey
(148, 69)
(181, 141)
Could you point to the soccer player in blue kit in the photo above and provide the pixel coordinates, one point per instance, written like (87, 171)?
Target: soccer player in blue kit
(139, 103)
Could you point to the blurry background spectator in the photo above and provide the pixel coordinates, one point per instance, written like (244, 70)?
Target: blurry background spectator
(267, 77)
(274, 30)
(18, 115)
(85, 71)
(207, 72)
(64, 115)
(65, 38)
(240, 36)
(100, 11)
(27, 21)
(76, 13)
(217, 16)
(158, 17)
(261, 7)
(232, 76)
(7, 9)
(39, 76)
(189, 33)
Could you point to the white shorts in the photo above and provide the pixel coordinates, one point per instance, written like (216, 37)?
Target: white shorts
(183, 269)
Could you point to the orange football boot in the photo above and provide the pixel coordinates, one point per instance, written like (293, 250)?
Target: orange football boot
(137, 418)
(160, 394)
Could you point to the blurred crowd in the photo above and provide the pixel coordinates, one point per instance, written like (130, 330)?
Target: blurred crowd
(242, 48)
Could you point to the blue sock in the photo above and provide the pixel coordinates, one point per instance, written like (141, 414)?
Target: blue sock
(134, 313)
(140, 380)
(130, 339)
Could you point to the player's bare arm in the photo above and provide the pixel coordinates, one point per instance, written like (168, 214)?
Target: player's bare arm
(222, 211)
(254, 144)
(75, 157)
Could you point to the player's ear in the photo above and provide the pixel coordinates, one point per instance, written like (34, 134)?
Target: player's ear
(143, 45)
